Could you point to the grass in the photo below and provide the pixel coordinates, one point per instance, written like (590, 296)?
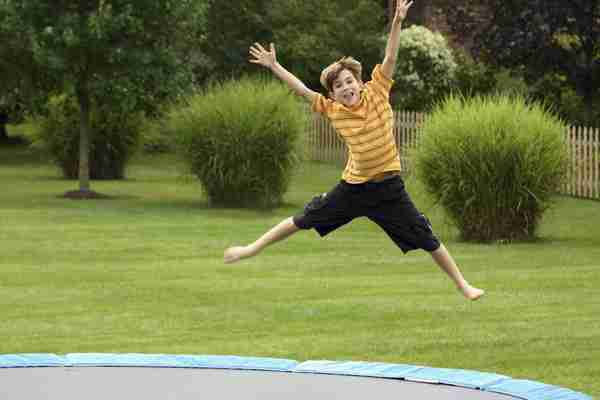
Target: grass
(143, 272)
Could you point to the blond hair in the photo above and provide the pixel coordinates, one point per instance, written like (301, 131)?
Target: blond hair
(332, 71)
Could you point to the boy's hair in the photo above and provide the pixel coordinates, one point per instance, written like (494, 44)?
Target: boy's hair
(330, 74)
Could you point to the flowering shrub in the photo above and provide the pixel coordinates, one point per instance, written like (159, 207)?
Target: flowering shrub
(426, 69)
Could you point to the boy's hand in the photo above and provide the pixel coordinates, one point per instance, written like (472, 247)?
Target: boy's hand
(268, 58)
(402, 7)
(263, 57)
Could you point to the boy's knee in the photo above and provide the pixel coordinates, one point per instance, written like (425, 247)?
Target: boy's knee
(298, 222)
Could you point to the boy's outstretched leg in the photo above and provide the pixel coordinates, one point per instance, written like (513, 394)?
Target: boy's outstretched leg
(279, 232)
(445, 261)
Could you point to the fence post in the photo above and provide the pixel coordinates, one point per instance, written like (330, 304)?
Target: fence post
(569, 187)
(574, 166)
(587, 162)
(596, 164)
(581, 160)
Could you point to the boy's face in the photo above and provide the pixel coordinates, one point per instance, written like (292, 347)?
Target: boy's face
(346, 89)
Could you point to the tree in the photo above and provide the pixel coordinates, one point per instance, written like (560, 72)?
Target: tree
(231, 27)
(94, 46)
(20, 76)
(542, 37)
(308, 34)
(417, 14)
(312, 34)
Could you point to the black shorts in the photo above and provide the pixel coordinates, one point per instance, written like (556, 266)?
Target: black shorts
(386, 203)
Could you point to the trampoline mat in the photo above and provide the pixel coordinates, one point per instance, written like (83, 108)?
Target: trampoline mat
(95, 383)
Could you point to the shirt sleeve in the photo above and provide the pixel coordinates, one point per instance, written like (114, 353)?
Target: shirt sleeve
(380, 83)
(322, 105)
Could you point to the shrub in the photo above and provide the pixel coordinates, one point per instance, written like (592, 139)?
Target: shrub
(472, 78)
(554, 89)
(240, 139)
(155, 137)
(426, 69)
(511, 83)
(493, 163)
(114, 138)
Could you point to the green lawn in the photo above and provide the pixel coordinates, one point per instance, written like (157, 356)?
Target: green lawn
(143, 272)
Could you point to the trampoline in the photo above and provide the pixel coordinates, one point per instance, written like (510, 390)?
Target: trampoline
(185, 377)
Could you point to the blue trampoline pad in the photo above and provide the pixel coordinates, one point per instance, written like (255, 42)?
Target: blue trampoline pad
(149, 377)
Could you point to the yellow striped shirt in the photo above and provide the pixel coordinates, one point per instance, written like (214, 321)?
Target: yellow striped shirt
(366, 129)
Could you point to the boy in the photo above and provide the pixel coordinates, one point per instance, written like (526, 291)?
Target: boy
(371, 185)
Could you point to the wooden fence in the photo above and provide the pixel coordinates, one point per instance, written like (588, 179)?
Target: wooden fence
(583, 174)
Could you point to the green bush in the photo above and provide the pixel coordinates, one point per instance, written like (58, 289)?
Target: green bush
(155, 137)
(240, 138)
(114, 138)
(472, 78)
(511, 83)
(493, 163)
(554, 89)
(426, 69)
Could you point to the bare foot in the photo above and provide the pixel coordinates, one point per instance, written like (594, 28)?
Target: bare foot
(472, 293)
(236, 253)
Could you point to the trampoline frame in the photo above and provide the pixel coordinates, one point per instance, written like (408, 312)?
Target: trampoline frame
(488, 382)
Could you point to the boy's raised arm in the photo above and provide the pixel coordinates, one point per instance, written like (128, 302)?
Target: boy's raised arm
(268, 59)
(391, 50)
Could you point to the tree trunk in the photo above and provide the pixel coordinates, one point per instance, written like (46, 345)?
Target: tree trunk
(83, 96)
(3, 132)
